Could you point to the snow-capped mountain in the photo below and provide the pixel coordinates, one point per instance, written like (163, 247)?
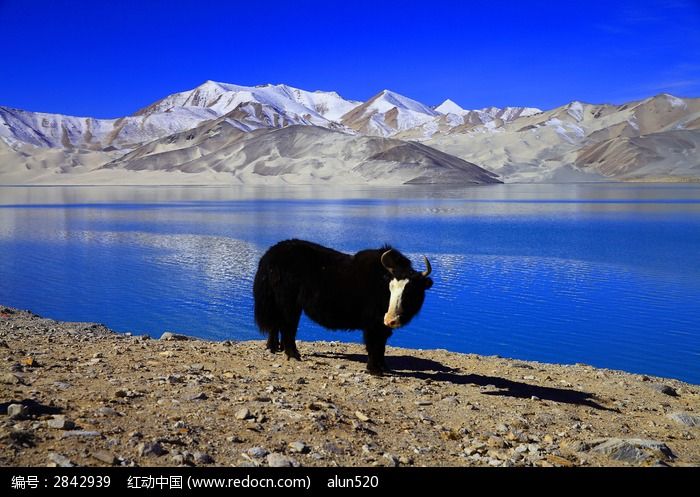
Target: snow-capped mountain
(56, 130)
(487, 114)
(318, 107)
(387, 113)
(452, 118)
(449, 107)
(658, 137)
(248, 107)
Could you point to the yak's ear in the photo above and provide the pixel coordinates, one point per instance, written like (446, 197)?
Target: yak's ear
(427, 283)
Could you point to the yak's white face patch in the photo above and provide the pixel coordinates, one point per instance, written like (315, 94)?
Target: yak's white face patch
(391, 318)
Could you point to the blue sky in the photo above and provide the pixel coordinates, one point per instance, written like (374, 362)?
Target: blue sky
(108, 59)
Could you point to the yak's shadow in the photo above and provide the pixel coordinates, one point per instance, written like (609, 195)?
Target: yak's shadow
(31, 406)
(427, 369)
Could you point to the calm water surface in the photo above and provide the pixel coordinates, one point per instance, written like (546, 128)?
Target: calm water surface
(607, 275)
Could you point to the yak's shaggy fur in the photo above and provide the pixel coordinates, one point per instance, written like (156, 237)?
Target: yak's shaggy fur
(337, 290)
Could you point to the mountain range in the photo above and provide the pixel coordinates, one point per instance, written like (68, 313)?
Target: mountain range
(277, 134)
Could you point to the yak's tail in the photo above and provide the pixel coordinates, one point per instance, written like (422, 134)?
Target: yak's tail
(267, 313)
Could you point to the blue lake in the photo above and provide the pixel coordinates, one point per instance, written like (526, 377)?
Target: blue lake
(607, 275)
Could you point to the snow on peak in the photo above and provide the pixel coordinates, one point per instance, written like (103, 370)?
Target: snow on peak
(225, 97)
(575, 110)
(509, 113)
(674, 101)
(529, 111)
(449, 107)
(386, 99)
(265, 105)
(386, 113)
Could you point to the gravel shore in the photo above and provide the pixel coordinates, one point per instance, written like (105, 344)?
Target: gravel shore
(80, 394)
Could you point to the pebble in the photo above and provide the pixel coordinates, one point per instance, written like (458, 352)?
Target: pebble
(685, 419)
(106, 411)
(203, 458)
(559, 461)
(170, 336)
(174, 378)
(30, 362)
(60, 422)
(361, 416)
(151, 449)
(60, 460)
(105, 457)
(633, 449)
(665, 389)
(392, 459)
(198, 396)
(257, 452)
(496, 442)
(299, 447)
(277, 460)
(333, 449)
(425, 418)
(575, 445)
(16, 411)
(10, 379)
(243, 413)
(81, 434)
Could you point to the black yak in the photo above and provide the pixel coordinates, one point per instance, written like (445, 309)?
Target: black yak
(373, 290)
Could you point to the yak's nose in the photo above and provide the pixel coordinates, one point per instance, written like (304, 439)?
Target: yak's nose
(392, 322)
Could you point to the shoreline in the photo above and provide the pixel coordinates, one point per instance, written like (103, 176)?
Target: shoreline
(81, 394)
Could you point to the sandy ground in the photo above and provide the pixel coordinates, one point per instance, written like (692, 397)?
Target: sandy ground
(79, 394)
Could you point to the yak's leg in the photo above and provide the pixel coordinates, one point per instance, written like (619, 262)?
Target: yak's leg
(375, 341)
(289, 333)
(273, 342)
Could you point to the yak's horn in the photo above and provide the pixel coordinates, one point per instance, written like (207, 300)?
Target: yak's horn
(384, 262)
(428, 268)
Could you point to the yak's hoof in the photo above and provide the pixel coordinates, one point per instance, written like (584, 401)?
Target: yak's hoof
(293, 355)
(378, 370)
(375, 370)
